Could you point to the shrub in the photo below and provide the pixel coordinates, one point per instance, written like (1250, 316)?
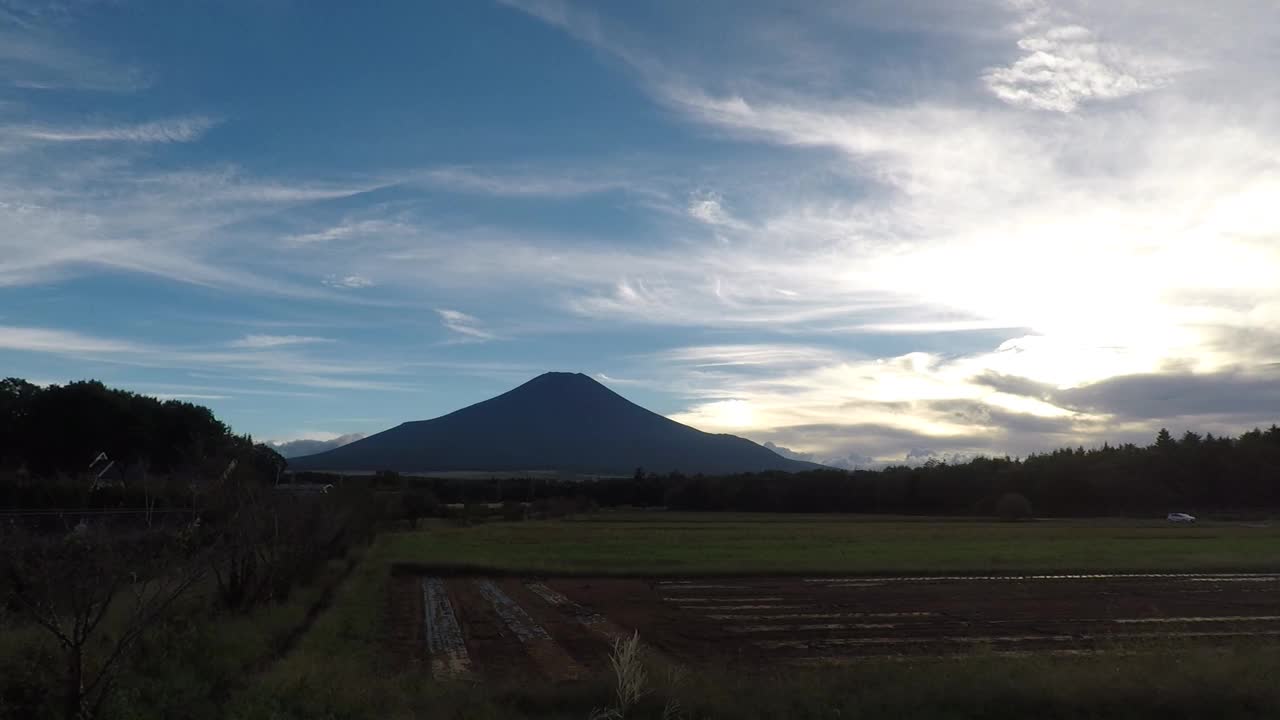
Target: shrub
(559, 507)
(1013, 507)
(28, 669)
(475, 512)
(419, 504)
(513, 511)
(65, 585)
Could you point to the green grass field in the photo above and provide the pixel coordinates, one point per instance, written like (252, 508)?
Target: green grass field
(679, 543)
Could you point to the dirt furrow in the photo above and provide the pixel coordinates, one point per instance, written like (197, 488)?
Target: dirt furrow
(551, 659)
(449, 657)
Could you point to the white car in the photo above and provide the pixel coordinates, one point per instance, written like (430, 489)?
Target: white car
(1181, 518)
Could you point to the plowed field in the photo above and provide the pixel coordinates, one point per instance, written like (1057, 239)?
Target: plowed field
(559, 628)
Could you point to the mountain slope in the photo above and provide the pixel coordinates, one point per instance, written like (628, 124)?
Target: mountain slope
(557, 421)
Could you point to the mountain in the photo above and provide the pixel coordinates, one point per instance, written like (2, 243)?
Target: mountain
(305, 446)
(557, 421)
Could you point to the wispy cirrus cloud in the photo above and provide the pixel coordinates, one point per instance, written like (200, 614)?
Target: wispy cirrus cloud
(271, 341)
(33, 57)
(582, 24)
(78, 198)
(189, 396)
(517, 182)
(266, 359)
(224, 391)
(176, 130)
(348, 282)
(350, 230)
(708, 207)
(54, 340)
(71, 215)
(467, 326)
(770, 355)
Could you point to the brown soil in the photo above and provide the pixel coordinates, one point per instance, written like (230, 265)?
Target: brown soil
(763, 621)
(588, 651)
(495, 650)
(406, 638)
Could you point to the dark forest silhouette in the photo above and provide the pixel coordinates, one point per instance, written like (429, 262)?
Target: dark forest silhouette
(1195, 473)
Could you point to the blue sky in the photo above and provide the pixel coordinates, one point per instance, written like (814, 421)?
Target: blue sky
(861, 230)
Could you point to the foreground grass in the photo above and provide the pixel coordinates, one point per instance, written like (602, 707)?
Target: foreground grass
(675, 543)
(1168, 682)
(340, 668)
(192, 667)
(188, 666)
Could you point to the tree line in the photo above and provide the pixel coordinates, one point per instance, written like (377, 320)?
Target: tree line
(51, 436)
(1193, 473)
(61, 428)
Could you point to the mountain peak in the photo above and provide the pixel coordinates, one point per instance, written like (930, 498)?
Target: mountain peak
(564, 385)
(558, 376)
(557, 421)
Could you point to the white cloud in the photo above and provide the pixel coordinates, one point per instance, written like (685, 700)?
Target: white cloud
(316, 435)
(178, 130)
(36, 339)
(308, 440)
(1066, 65)
(847, 461)
(465, 325)
(335, 383)
(708, 207)
(71, 214)
(739, 355)
(581, 24)
(912, 399)
(350, 282)
(610, 380)
(258, 360)
(983, 403)
(522, 183)
(31, 57)
(1088, 232)
(310, 443)
(923, 327)
(271, 341)
(173, 390)
(349, 230)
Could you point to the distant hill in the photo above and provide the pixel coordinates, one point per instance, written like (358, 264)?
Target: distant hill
(298, 448)
(557, 421)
